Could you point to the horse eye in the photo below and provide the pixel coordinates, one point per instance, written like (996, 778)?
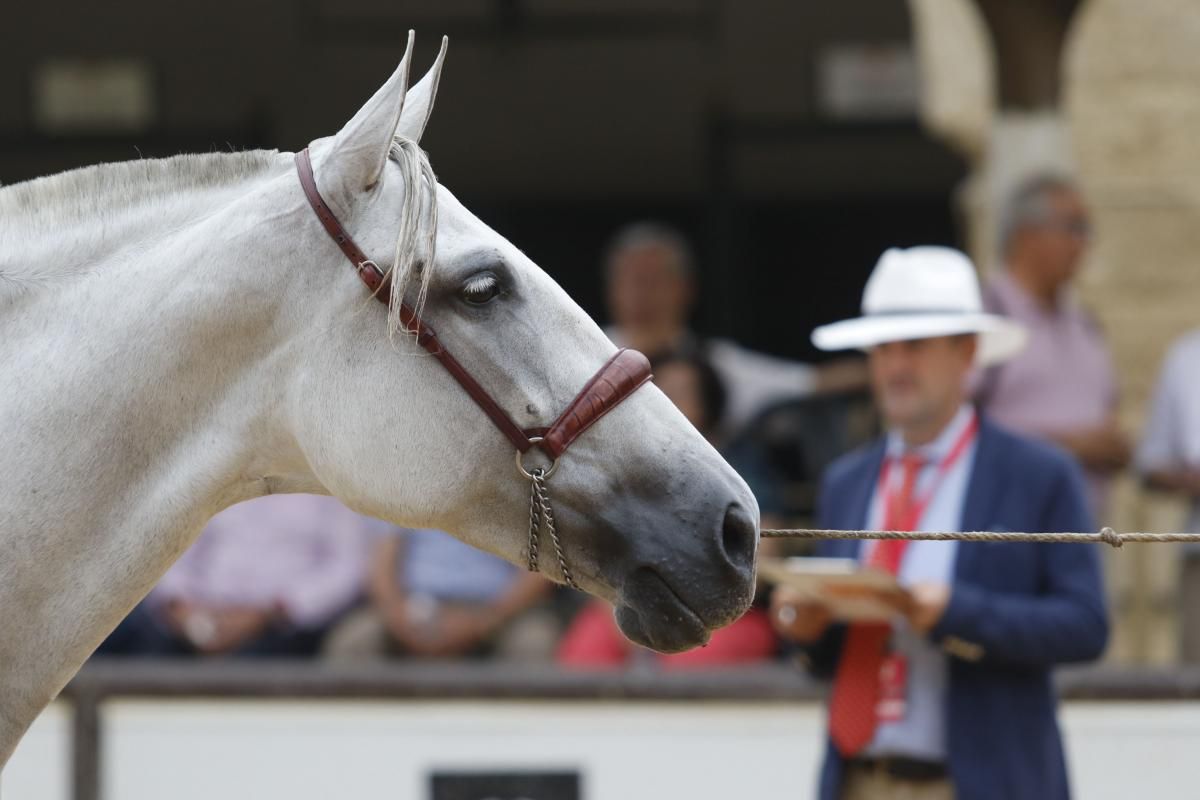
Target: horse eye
(481, 289)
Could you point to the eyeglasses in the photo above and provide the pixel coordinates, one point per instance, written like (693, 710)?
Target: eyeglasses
(1072, 226)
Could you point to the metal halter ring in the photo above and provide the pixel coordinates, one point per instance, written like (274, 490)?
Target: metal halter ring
(527, 473)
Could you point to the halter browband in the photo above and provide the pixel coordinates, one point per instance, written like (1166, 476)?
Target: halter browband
(620, 376)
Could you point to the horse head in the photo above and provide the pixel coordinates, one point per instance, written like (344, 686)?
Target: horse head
(649, 515)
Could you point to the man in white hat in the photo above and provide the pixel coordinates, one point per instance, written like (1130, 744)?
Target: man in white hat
(953, 697)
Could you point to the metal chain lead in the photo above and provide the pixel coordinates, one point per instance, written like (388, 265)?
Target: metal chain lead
(548, 517)
(540, 511)
(534, 528)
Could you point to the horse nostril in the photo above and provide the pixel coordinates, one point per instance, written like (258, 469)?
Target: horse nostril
(739, 537)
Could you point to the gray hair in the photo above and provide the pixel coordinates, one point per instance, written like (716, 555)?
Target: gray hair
(651, 234)
(1029, 205)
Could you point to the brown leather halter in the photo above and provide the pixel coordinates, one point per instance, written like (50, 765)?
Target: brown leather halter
(616, 380)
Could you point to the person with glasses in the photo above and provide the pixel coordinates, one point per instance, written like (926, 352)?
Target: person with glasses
(1063, 386)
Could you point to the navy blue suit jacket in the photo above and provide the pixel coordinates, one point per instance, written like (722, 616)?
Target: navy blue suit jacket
(1016, 610)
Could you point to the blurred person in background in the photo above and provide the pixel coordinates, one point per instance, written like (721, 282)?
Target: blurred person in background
(593, 639)
(433, 596)
(953, 697)
(1063, 386)
(651, 288)
(265, 578)
(1168, 459)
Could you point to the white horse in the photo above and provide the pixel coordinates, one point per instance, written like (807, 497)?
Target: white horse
(180, 335)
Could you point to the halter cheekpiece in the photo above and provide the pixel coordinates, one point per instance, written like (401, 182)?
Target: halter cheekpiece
(616, 380)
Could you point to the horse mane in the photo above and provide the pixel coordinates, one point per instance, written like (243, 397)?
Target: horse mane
(88, 196)
(81, 194)
(84, 203)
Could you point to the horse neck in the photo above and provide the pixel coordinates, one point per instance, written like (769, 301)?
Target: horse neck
(178, 306)
(150, 393)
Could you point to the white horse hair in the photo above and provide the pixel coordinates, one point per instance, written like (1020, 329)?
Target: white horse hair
(418, 180)
(180, 335)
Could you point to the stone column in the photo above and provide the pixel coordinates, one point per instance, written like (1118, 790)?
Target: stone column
(957, 67)
(990, 89)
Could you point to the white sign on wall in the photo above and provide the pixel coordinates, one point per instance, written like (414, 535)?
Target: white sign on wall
(92, 96)
(867, 82)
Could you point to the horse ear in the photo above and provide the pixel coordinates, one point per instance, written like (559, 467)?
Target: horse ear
(418, 105)
(360, 148)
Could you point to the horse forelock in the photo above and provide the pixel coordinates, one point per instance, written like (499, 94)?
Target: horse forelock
(416, 240)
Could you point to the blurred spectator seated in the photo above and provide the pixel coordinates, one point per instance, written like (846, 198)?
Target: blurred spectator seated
(432, 596)
(651, 287)
(593, 640)
(265, 578)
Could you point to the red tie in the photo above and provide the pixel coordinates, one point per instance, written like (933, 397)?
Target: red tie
(852, 707)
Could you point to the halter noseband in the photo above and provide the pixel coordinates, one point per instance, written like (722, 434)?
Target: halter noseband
(616, 380)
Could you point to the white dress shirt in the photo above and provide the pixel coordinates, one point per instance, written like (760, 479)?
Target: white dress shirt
(1171, 438)
(922, 732)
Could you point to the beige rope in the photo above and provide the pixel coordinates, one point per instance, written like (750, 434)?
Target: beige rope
(1106, 535)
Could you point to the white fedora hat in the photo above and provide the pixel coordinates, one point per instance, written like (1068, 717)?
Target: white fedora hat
(920, 293)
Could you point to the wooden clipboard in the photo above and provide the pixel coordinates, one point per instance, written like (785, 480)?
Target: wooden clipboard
(841, 584)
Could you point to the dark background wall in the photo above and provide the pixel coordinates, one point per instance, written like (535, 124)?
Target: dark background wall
(557, 121)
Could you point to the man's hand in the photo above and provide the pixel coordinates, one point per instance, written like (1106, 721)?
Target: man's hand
(798, 617)
(1103, 449)
(216, 630)
(411, 623)
(459, 630)
(238, 626)
(437, 631)
(1184, 479)
(176, 614)
(922, 604)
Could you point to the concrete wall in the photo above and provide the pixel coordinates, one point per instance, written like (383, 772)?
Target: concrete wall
(205, 749)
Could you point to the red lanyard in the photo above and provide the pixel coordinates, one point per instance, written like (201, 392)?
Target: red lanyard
(917, 509)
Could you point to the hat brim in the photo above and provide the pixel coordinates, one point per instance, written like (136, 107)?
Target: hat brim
(999, 338)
